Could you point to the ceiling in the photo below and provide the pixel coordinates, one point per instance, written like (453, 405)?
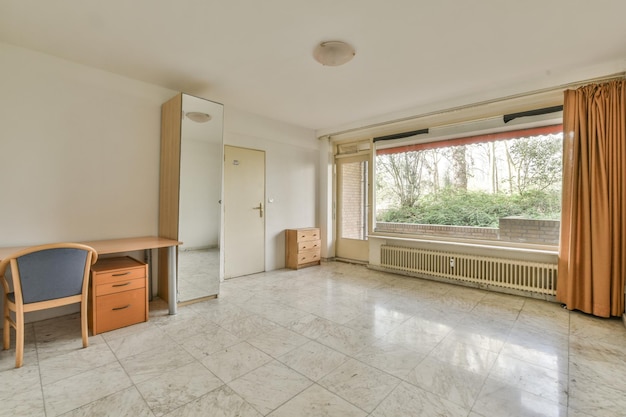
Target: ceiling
(411, 55)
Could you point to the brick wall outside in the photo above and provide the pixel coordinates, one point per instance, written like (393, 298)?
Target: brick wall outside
(511, 229)
(518, 229)
(353, 202)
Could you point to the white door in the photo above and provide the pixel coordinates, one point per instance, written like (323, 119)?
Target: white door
(244, 211)
(353, 208)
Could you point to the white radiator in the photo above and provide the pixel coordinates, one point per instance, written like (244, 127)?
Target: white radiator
(514, 274)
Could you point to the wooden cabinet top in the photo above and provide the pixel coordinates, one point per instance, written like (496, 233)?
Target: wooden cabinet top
(122, 262)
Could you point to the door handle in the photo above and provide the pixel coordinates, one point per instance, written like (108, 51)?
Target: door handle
(260, 208)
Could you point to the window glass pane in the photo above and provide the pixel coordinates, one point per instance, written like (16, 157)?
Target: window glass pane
(504, 186)
(353, 200)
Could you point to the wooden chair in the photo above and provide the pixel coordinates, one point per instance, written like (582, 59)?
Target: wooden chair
(43, 277)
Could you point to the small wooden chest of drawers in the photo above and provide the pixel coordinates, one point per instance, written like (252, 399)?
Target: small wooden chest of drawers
(302, 247)
(118, 294)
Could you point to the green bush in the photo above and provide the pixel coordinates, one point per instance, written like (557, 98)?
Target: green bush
(475, 208)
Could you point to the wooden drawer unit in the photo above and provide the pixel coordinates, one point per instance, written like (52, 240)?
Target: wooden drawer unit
(302, 247)
(118, 294)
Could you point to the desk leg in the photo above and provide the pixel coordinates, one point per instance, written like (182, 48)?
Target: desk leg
(148, 259)
(171, 281)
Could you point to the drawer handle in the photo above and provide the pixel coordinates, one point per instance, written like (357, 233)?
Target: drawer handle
(120, 308)
(121, 274)
(121, 285)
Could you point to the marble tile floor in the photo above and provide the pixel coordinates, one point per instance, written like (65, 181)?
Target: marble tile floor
(334, 340)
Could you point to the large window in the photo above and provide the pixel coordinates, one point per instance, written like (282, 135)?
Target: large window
(500, 186)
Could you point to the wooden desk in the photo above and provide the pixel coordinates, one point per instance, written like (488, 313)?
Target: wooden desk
(146, 243)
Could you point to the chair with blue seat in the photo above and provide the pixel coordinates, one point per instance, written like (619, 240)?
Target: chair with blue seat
(43, 277)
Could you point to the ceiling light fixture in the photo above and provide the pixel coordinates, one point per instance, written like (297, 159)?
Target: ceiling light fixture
(333, 53)
(198, 117)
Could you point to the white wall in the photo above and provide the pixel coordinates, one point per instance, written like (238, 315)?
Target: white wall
(79, 151)
(327, 198)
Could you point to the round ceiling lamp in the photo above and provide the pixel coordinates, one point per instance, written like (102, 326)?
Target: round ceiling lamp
(333, 53)
(198, 117)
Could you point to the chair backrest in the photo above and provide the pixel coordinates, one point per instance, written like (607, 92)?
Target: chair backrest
(49, 272)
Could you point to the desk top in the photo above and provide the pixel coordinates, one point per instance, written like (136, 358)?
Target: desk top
(104, 247)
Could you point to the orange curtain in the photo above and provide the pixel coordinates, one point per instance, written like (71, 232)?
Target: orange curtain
(592, 254)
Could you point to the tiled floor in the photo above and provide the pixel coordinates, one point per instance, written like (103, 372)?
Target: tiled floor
(336, 340)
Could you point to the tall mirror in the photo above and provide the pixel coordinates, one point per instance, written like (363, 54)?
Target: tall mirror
(200, 193)
(190, 196)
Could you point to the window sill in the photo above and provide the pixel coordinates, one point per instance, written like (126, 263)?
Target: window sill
(484, 244)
